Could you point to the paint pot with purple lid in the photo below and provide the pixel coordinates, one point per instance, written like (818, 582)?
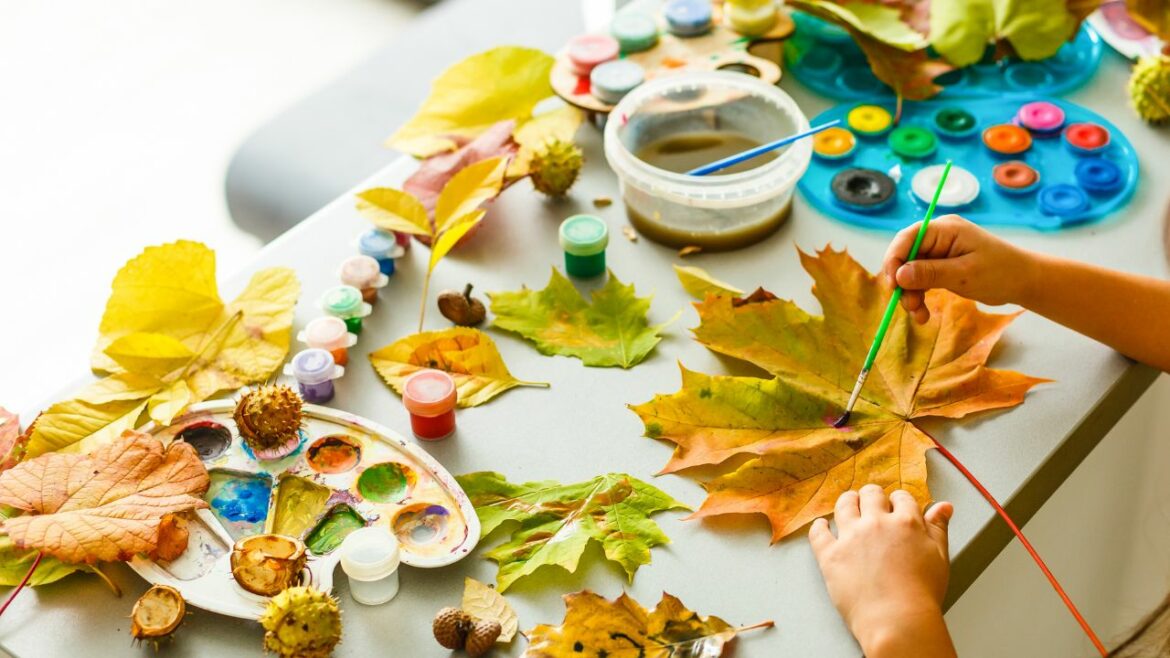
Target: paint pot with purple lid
(314, 370)
(346, 302)
(329, 333)
(369, 557)
(382, 246)
(363, 273)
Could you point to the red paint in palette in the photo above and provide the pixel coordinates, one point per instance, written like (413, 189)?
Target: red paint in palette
(430, 397)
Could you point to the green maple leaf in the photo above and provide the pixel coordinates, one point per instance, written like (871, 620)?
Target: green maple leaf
(1035, 29)
(557, 521)
(610, 331)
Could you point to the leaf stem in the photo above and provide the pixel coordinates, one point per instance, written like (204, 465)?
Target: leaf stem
(36, 563)
(107, 580)
(219, 332)
(422, 307)
(1072, 608)
(761, 625)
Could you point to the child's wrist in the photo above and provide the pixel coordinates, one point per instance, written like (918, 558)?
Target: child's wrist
(1027, 278)
(887, 634)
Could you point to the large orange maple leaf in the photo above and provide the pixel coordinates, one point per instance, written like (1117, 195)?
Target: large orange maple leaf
(797, 463)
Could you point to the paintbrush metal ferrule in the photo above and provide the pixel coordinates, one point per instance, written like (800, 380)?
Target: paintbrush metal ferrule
(861, 377)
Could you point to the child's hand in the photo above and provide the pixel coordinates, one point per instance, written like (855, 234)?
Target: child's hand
(886, 570)
(958, 256)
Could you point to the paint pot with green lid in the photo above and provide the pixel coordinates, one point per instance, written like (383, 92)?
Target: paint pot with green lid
(584, 238)
(346, 302)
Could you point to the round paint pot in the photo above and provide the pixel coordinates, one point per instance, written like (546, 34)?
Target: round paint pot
(634, 31)
(346, 302)
(869, 120)
(383, 247)
(1015, 177)
(1027, 76)
(960, 189)
(1062, 200)
(365, 274)
(751, 20)
(834, 143)
(584, 239)
(688, 18)
(1098, 175)
(863, 190)
(329, 333)
(430, 397)
(1006, 139)
(912, 142)
(314, 370)
(1086, 138)
(955, 122)
(370, 558)
(821, 62)
(1041, 117)
(586, 51)
(610, 81)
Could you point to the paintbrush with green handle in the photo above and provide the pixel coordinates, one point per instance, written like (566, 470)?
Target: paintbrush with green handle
(891, 307)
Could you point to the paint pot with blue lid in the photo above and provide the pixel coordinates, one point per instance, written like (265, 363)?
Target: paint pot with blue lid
(383, 247)
(1099, 176)
(634, 31)
(584, 239)
(1063, 200)
(611, 81)
(314, 369)
(688, 18)
(346, 302)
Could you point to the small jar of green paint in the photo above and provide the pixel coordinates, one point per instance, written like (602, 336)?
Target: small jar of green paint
(346, 302)
(584, 238)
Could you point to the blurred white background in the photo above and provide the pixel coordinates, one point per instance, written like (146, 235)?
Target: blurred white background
(117, 122)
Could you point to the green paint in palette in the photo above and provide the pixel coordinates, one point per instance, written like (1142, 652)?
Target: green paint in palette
(333, 529)
(386, 482)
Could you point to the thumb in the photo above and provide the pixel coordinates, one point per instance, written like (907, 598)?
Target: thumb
(927, 274)
(938, 519)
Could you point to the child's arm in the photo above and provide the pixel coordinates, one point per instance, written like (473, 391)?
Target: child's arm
(1127, 312)
(886, 571)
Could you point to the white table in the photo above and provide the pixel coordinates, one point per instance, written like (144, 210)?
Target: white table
(580, 427)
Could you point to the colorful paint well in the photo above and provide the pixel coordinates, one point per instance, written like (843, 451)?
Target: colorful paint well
(333, 528)
(634, 31)
(423, 524)
(587, 51)
(430, 397)
(961, 187)
(834, 143)
(1041, 117)
(239, 500)
(863, 189)
(314, 370)
(383, 247)
(955, 122)
(387, 482)
(363, 273)
(208, 438)
(346, 302)
(299, 503)
(869, 120)
(1015, 177)
(912, 142)
(1007, 139)
(688, 18)
(1086, 138)
(611, 81)
(584, 239)
(333, 454)
(329, 333)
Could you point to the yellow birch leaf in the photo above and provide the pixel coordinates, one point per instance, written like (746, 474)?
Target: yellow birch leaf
(468, 190)
(169, 402)
(394, 210)
(473, 95)
(699, 283)
(468, 355)
(451, 237)
(559, 124)
(485, 603)
(122, 386)
(76, 425)
(149, 353)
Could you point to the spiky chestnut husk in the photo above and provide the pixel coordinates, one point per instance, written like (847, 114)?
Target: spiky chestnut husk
(482, 638)
(450, 627)
(1149, 88)
(301, 622)
(555, 167)
(269, 419)
(157, 613)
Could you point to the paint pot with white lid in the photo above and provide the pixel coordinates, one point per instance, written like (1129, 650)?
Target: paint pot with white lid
(369, 557)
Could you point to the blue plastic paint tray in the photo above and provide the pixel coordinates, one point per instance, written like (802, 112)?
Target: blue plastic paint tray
(825, 59)
(1073, 186)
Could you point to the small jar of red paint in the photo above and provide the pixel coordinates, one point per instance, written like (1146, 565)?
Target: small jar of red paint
(314, 370)
(363, 273)
(329, 333)
(430, 397)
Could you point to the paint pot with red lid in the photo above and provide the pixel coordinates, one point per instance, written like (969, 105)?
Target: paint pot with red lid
(430, 397)
(586, 51)
(1086, 138)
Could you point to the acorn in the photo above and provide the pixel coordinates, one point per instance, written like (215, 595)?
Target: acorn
(555, 167)
(483, 635)
(461, 308)
(1149, 88)
(451, 626)
(269, 420)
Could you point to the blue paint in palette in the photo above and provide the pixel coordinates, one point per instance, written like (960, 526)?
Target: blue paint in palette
(240, 500)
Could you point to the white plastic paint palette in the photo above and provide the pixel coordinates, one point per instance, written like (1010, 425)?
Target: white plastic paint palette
(348, 472)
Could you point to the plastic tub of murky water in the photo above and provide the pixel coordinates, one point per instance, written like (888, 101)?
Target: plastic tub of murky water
(672, 124)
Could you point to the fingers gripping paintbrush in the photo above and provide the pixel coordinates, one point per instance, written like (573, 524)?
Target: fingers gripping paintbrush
(891, 307)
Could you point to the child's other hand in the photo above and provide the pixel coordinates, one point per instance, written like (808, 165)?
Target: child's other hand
(958, 256)
(887, 568)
